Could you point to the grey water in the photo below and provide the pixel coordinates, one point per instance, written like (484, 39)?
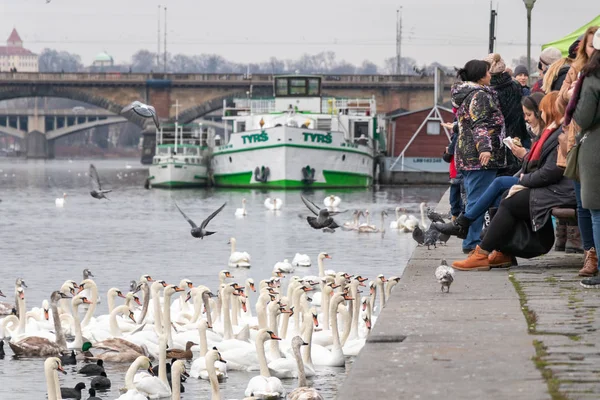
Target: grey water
(140, 232)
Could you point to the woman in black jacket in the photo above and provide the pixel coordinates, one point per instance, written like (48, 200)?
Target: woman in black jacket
(540, 188)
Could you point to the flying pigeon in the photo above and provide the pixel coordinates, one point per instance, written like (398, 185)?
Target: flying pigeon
(431, 237)
(200, 232)
(143, 110)
(434, 217)
(418, 235)
(444, 275)
(97, 191)
(324, 218)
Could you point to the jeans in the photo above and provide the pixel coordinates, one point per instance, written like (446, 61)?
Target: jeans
(491, 197)
(456, 203)
(584, 219)
(476, 182)
(596, 228)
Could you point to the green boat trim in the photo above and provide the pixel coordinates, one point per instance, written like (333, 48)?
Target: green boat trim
(336, 179)
(302, 146)
(178, 184)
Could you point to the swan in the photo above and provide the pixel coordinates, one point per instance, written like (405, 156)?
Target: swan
(332, 201)
(302, 392)
(177, 370)
(301, 260)
(412, 222)
(284, 266)
(212, 357)
(352, 225)
(241, 212)
(367, 224)
(93, 298)
(141, 362)
(286, 367)
(75, 303)
(335, 356)
(273, 204)
(389, 285)
(5, 308)
(317, 297)
(264, 385)
(52, 366)
(238, 258)
(154, 387)
(199, 368)
(60, 201)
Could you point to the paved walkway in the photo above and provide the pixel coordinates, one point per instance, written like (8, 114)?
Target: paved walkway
(475, 342)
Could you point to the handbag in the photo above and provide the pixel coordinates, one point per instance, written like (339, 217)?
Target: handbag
(572, 168)
(525, 243)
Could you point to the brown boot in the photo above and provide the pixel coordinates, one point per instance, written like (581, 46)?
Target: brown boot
(477, 261)
(590, 265)
(573, 244)
(499, 260)
(561, 236)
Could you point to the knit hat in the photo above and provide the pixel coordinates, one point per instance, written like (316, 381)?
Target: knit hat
(550, 55)
(521, 69)
(574, 47)
(596, 41)
(497, 65)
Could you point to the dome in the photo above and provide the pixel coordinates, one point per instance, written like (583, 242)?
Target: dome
(103, 57)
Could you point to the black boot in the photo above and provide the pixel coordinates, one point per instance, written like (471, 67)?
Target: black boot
(459, 227)
(491, 212)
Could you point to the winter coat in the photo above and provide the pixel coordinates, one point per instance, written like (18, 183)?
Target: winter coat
(548, 187)
(525, 90)
(587, 116)
(560, 78)
(572, 129)
(480, 127)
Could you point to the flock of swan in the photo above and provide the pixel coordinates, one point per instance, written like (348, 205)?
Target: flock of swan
(301, 323)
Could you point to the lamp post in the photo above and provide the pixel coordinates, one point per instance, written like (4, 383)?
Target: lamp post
(529, 5)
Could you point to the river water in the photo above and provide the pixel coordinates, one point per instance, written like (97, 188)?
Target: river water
(141, 232)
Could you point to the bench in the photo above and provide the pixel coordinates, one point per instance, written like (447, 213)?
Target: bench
(567, 224)
(567, 214)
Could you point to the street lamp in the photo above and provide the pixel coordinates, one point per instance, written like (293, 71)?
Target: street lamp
(529, 5)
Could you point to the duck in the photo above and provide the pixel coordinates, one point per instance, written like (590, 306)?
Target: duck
(68, 359)
(92, 369)
(182, 354)
(273, 204)
(100, 382)
(92, 393)
(302, 392)
(238, 258)
(52, 366)
(264, 385)
(60, 201)
(241, 212)
(301, 260)
(72, 393)
(332, 201)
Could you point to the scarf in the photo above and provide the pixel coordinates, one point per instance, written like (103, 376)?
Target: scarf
(570, 110)
(533, 157)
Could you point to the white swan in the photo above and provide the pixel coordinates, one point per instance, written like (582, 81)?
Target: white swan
(398, 223)
(177, 370)
(51, 367)
(264, 385)
(213, 356)
(301, 260)
(284, 266)
(142, 362)
(352, 225)
(199, 368)
(332, 201)
(273, 204)
(238, 258)
(335, 356)
(412, 222)
(60, 201)
(241, 212)
(154, 387)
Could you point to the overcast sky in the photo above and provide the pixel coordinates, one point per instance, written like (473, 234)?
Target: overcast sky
(448, 31)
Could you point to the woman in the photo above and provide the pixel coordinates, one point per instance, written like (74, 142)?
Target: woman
(587, 117)
(541, 187)
(584, 219)
(491, 197)
(479, 150)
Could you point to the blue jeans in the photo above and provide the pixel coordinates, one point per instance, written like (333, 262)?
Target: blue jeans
(476, 182)
(491, 197)
(584, 219)
(456, 204)
(596, 228)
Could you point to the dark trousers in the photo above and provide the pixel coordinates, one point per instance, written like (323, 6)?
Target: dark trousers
(456, 202)
(502, 226)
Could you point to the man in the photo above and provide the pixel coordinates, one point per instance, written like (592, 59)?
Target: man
(521, 75)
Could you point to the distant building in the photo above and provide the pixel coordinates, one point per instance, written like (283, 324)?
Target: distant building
(103, 60)
(14, 55)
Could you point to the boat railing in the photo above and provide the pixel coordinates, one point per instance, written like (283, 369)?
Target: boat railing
(329, 105)
(252, 106)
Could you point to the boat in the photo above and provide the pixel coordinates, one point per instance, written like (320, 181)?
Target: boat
(296, 139)
(180, 158)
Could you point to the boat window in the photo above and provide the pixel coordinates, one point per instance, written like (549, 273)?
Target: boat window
(187, 161)
(298, 87)
(313, 87)
(361, 128)
(281, 88)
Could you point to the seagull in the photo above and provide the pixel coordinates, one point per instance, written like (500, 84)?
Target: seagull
(434, 217)
(200, 232)
(324, 218)
(97, 191)
(143, 110)
(418, 235)
(444, 275)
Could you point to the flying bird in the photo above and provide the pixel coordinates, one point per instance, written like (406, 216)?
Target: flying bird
(200, 232)
(324, 218)
(97, 191)
(143, 110)
(434, 217)
(418, 235)
(444, 275)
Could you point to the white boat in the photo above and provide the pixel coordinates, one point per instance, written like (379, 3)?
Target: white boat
(180, 159)
(297, 139)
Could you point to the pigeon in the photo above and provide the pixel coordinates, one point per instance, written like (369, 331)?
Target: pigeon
(97, 191)
(444, 275)
(431, 237)
(434, 217)
(143, 110)
(443, 238)
(200, 232)
(418, 235)
(324, 218)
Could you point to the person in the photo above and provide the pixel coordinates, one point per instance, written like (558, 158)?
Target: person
(586, 238)
(493, 194)
(556, 74)
(509, 96)
(547, 58)
(587, 117)
(522, 77)
(479, 150)
(456, 181)
(541, 187)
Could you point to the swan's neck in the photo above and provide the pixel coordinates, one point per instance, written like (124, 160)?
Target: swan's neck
(146, 294)
(176, 381)
(248, 301)
(78, 335)
(261, 314)
(157, 312)
(325, 301)
(300, 364)
(207, 308)
(111, 302)
(214, 382)
(307, 337)
(22, 316)
(227, 330)
(115, 331)
(58, 332)
(354, 312)
(422, 207)
(321, 267)
(382, 297)
(232, 247)
(346, 318)
(262, 359)
(51, 378)
(285, 321)
(203, 341)
(167, 316)
(129, 385)
(235, 310)
(197, 307)
(162, 360)
(12, 320)
(334, 324)
(273, 327)
(92, 307)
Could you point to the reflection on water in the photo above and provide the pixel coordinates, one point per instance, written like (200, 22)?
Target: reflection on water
(140, 231)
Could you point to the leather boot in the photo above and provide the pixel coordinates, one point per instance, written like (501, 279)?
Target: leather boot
(500, 260)
(458, 227)
(478, 260)
(573, 244)
(590, 265)
(491, 212)
(561, 236)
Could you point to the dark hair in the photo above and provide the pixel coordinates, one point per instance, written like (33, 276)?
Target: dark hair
(473, 71)
(593, 64)
(532, 102)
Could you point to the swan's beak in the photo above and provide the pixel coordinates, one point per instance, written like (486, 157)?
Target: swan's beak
(178, 289)
(307, 289)
(371, 291)
(252, 287)
(149, 278)
(150, 370)
(346, 297)
(2, 294)
(164, 284)
(131, 317)
(46, 315)
(190, 285)
(244, 307)
(81, 288)
(304, 344)
(383, 279)
(120, 294)
(364, 307)
(137, 300)
(188, 297)
(228, 275)
(72, 291)
(274, 336)
(60, 368)
(315, 320)
(368, 322)
(221, 359)
(184, 373)
(327, 256)
(361, 279)
(85, 300)
(209, 326)
(22, 295)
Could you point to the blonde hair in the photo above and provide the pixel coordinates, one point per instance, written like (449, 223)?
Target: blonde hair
(552, 73)
(582, 57)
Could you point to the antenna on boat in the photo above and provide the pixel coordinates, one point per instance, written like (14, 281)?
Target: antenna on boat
(176, 105)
